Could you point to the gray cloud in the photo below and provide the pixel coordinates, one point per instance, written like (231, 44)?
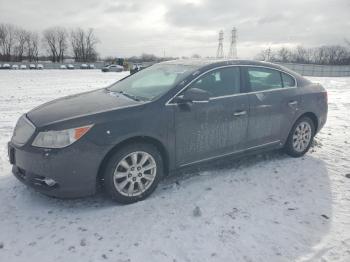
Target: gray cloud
(273, 21)
(184, 27)
(122, 7)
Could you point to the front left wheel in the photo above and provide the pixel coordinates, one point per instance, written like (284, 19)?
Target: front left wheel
(133, 173)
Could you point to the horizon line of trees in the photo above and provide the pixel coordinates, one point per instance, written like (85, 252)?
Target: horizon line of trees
(58, 43)
(322, 55)
(55, 43)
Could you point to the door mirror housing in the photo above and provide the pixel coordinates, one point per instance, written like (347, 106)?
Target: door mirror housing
(193, 95)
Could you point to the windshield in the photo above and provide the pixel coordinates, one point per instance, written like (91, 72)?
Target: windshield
(153, 81)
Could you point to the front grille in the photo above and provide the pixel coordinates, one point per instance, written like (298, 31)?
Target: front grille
(23, 131)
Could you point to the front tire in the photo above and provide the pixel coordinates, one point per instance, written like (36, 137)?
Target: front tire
(300, 137)
(133, 173)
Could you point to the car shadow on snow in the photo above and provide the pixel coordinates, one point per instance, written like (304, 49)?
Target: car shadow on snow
(226, 163)
(269, 197)
(264, 206)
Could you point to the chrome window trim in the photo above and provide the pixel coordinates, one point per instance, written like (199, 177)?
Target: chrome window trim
(168, 103)
(231, 153)
(256, 92)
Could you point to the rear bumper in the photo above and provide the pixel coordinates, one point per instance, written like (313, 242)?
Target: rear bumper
(73, 170)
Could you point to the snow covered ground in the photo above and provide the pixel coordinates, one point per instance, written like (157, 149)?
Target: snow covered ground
(261, 208)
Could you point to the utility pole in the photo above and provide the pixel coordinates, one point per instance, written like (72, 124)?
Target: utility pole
(233, 46)
(220, 51)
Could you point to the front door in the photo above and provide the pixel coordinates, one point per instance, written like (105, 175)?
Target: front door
(206, 130)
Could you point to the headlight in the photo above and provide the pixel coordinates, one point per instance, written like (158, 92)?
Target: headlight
(61, 138)
(23, 131)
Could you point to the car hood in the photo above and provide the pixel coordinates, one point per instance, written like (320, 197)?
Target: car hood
(78, 105)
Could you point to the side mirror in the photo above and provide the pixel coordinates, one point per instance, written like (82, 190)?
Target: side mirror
(193, 95)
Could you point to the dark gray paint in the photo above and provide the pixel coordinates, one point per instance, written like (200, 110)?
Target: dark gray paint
(185, 134)
(206, 129)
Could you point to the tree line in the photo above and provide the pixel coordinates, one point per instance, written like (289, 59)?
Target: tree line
(54, 43)
(323, 55)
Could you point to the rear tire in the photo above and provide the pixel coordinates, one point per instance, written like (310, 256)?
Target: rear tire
(300, 137)
(133, 173)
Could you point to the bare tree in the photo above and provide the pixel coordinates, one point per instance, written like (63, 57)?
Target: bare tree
(328, 55)
(148, 57)
(49, 39)
(20, 47)
(7, 40)
(77, 37)
(284, 55)
(2, 37)
(17, 44)
(55, 40)
(91, 42)
(62, 43)
(265, 55)
(301, 55)
(336, 54)
(32, 41)
(84, 45)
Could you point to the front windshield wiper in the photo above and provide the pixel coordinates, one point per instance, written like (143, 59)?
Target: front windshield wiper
(133, 97)
(128, 95)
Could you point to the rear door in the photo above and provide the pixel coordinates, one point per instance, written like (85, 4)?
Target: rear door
(214, 128)
(273, 103)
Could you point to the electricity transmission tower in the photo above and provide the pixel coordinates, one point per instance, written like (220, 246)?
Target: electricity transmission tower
(220, 51)
(233, 46)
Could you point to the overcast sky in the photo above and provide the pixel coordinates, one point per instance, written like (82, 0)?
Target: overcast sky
(186, 27)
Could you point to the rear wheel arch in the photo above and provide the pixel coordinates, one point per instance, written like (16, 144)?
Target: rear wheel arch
(312, 116)
(301, 136)
(139, 139)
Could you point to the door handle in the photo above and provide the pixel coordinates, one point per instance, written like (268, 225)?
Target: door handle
(293, 103)
(240, 113)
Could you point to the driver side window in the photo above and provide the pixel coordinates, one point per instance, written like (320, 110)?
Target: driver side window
(220, 82)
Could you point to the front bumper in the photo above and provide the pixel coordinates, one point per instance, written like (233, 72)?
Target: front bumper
(74, 169)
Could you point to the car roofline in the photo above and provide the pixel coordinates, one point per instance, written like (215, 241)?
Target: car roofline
(209, 63)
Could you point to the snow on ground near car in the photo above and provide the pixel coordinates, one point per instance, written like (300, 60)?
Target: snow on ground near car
(261, 208)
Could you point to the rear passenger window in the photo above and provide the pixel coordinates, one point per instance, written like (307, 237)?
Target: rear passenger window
(261, 79)
(220, 82)
(288, 81)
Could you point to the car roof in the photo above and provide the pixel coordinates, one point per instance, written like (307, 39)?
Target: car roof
(219, 62)
(209, 63)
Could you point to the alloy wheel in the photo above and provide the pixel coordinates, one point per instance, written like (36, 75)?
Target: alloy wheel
(302, 136)
(135, 173)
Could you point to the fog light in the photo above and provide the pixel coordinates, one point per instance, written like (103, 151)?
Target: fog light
(50, 182)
